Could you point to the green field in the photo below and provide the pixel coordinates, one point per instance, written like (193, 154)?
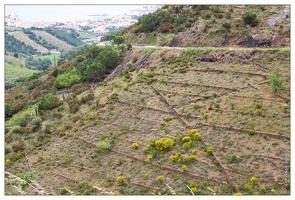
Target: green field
(85, 35)
(51, 57)
(12, 73)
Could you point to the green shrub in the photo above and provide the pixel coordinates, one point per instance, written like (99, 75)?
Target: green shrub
(67, 79)
(160, 180)
(16, 129)
(48, 103)
(37, 121)
(7, 149)
(249, 17)
(121, 180)
(21, 120)
(8, 111)
(134, 59)
(276, 80)
(103, 146)
(16, 156)
(36, 144)
(187, 145)
(209, 150)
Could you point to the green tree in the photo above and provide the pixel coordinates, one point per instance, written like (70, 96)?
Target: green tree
(67, 79)
(15, 55)
(95, 71)
(8, 111)
(48, 103)
(250, 18)
(118, 40)
(148, 22)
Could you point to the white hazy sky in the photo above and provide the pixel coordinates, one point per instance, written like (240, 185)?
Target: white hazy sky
(65, 12)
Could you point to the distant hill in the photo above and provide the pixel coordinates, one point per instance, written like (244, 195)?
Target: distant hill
(24, 38)
(216, 26)
(53, 40)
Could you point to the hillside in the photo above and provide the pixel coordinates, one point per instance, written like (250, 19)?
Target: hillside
(22, 37)
(53, 40)
(143, 120)
(216, 26)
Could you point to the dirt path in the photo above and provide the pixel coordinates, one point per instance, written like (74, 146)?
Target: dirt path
(206, 48)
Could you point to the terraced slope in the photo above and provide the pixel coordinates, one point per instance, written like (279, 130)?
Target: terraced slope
(22, 37)
(244, 143)
(53, 40)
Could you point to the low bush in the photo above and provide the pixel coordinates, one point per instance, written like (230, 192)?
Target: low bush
(16, 156)
(160, 180)
(164, 144)
(36, 121)
(184, 168)
(16, 129)
(276, 80)
(209, 150)
(102, 146)
(18, 146)
(253, 181)
(121, 180)
(194, 134)
(135, 145)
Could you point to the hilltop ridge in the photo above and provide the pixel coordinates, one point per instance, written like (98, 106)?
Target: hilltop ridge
(213, 25)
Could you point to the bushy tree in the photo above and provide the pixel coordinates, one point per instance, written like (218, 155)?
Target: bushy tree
(148, 22)
(67, 79)
(250, 18)
(95, 71)
(118, 40)
(47, 103)
(8, 111)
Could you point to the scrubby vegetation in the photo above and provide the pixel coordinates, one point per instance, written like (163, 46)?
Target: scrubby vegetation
(202, 121)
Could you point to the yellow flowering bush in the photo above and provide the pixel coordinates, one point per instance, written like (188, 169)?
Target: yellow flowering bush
(237, 194)
(186, 139)
(135, 145)
(121, 180)
(160, 180)
(194, 152)
(187, 145)
(164, 144)
(149, 157)
(253, 181)
(194, 190)
(177, 157)
(184, 168)
(209, 150)
(194, 134)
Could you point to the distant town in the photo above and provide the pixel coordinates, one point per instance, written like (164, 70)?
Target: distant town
(98, 25)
